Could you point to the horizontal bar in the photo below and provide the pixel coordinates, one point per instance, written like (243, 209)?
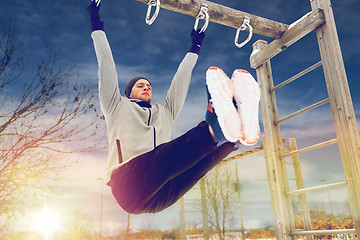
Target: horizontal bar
(298, 30)
(323, 232)
(248, 153)
(315, 105)
(312, 189)
(323, 144)
(225, 16)
(300, 74)
(286, 149)
(244, 154)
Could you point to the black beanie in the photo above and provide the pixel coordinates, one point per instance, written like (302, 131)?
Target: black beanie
(130, 85)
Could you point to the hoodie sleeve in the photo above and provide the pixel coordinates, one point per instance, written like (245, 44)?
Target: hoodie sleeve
(177, 92)
(109, 93)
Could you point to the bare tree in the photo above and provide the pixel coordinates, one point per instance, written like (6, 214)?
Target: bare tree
(45, 115)
(77, 227)
(219, 196)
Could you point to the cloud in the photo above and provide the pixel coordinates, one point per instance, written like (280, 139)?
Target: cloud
(156, 51)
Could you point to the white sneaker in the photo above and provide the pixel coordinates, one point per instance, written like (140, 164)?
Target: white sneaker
(221, 94)
(246, 93)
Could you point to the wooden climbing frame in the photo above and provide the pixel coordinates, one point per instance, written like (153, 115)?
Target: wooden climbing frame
(321, 20)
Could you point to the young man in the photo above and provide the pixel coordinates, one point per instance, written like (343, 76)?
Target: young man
(146, 171)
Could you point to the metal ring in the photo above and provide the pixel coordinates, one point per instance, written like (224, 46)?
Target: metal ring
(97, 2)
(152, 3)
(203, 13)
(245, 25)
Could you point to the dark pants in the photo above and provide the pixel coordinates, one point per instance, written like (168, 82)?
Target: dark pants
(155, 180)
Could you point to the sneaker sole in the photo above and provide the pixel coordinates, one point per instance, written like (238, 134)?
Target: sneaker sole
(221, 97)
(247, 96)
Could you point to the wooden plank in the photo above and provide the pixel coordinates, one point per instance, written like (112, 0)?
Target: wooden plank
(305, 214)
(324, 232)
(312, 189)
(244, 154)
(272, 142)
(315, 105)
(204, 209)
(346, 128)
(295, 32)
(323, 144)
(300, 74)
(225, 16)
(182, 219)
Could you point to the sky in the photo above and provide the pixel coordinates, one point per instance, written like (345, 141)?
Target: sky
(155, 52)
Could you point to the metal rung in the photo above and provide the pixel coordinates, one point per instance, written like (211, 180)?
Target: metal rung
(312, 189)
(324, 232)
(316, 65)
(323, 144)
(318, 104)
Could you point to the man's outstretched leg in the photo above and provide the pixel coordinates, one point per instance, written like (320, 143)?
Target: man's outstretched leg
(174, 189)
(137, 181)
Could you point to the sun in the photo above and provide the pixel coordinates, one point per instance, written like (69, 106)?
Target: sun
(47, 222)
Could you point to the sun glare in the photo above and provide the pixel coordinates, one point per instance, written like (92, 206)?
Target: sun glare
(46, 222)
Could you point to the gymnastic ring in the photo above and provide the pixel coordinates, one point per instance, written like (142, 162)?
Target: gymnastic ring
(203, 14)
(152, 3)
(245, 25)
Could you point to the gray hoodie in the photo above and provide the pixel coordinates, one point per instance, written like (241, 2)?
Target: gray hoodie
(137, 129)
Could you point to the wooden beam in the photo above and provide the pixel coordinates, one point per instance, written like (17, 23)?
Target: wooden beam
(244, 154)
(315, 105)
(318, 188)
(225, 16)
(323, 232)
(342, 108)
(272, 143)
(296, 31)
(204, 210)
(305, 214)
(319, 145)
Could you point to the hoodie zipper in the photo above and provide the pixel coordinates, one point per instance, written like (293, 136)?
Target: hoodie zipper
(152, 127)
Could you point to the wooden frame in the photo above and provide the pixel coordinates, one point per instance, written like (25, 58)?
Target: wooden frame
(346, 128)
(320, 18)
(341, 106)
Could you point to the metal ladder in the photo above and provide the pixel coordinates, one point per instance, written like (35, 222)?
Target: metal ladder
(322, 20)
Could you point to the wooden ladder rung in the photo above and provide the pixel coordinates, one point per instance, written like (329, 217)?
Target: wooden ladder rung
(323, 232)
(323, 144)
(300, 74)
(312, 189)
(315, 105)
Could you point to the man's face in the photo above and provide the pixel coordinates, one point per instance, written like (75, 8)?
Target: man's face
(141, 91)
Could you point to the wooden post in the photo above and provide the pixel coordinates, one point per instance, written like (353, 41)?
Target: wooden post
(182, 219)
(300, 185)
(204, 209)
(272, 142)
(239, 188)
(342, 108)
(225, 16)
